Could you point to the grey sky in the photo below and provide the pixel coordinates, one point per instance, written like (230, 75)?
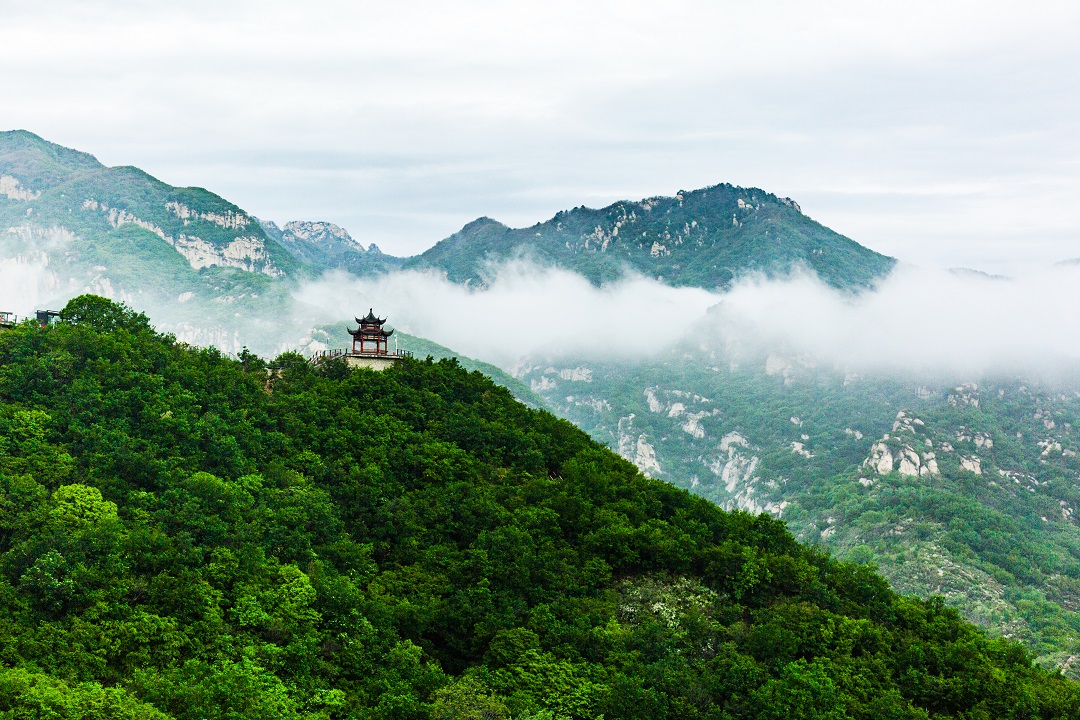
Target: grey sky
(941, 132)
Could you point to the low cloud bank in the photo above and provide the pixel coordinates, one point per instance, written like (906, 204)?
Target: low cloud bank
(524, 310)
(915, 321)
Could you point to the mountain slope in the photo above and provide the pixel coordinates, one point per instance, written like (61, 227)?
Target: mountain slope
(704, 238)
(968, 491)
(177, 533)
(50, 188)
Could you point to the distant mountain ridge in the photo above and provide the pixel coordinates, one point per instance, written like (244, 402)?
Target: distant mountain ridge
(322, 246)
(704, 238)
(50, 195)
(207, 269)
(45, 185)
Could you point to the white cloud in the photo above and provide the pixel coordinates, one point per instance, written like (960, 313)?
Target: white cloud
(916, 321)
(23, 283)
(524, 310)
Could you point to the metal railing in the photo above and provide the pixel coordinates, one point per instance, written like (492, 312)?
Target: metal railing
(43, 317)
(327, 355)
(319, 356)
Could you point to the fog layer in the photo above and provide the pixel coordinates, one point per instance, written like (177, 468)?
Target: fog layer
(523, 310)
(23, 283)
(915, 321)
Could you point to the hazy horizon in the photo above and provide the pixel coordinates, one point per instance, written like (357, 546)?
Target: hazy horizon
(944, 135)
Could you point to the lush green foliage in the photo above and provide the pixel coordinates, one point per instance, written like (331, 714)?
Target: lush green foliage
(1002, 545)
(180, 534)
(705, 238)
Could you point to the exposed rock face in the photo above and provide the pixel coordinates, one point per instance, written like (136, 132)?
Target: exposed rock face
(897, 450)
(13, 189)
(909, 462)
(881, 459)
(319, 233)
(542, 383)
(776, 365)
(229, 220)
(246, 252)
(645, 457)
(577, 374)
(732, 465)
(737, 467)
(637, 449)
(966, 394)
(1050, 446)
(654, 403)
(692, 426)
(971, 464)
(597, 405)
(326, 246)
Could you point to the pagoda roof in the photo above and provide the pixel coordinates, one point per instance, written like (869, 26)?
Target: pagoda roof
(370, 319)
(370, 332)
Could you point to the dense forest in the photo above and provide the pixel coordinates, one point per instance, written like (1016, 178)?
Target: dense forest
(990, 525)
(185, 535)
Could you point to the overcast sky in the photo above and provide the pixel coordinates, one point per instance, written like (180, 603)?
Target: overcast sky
(944, 133)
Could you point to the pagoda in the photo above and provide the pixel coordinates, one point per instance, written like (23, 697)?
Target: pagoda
(370, 338)
(370, 347)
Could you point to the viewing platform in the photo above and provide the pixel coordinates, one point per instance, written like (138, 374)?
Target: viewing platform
(373, 360)
(370, 348)
(44, 317)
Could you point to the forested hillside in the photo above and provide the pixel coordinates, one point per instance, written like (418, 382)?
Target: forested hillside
(183, 535)
(964, 490)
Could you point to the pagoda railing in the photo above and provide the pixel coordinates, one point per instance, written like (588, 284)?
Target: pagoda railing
(321, 355)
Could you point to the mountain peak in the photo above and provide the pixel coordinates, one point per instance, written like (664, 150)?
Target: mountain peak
(705, 238)
(317, 232)
(44, 185)
(483, 223)
(322, 246)
(38, 163)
